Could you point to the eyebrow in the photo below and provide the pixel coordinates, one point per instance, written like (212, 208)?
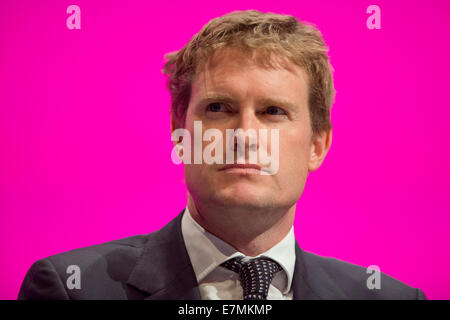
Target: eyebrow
(225, 97)
(279, 102)
(212, 97)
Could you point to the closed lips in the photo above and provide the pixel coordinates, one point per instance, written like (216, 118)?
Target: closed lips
(242, 166)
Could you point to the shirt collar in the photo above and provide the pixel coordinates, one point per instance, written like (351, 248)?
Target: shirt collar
(206, 251)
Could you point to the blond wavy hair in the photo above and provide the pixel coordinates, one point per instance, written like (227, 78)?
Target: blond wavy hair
(271, 36)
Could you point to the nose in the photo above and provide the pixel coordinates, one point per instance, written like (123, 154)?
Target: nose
(246, 132)
(247, 119)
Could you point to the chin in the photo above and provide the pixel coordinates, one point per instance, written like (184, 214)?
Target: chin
(237, 197)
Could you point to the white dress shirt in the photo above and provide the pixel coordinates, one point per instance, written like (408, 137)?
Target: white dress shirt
(207, 252)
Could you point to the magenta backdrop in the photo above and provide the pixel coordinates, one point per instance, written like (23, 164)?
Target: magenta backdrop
(85, 135)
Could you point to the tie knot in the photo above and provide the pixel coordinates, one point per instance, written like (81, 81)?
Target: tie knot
(255, 275)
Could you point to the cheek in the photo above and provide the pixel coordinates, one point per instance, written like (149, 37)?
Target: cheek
(294, 152)
(195, 176)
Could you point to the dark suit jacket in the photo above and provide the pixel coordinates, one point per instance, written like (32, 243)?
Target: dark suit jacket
(157, 266)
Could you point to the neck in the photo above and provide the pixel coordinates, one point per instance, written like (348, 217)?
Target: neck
(250, 231)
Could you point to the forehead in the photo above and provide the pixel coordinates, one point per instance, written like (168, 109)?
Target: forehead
(233, 69)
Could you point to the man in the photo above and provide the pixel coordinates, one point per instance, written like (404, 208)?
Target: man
(234, 240)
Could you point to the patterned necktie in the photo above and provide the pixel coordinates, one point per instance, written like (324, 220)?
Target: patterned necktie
(255, 275)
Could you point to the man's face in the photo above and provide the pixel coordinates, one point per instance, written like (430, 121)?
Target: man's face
(232, 92)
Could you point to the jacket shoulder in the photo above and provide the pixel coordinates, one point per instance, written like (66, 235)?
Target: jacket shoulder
(356, 282)
(126, 248)
(103, 270)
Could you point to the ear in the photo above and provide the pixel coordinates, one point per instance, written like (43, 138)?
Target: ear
(320, 145)
(177, 139)
(172, 125)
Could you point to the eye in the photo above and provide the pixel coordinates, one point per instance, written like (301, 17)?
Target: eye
(275, 111)
(216, 107)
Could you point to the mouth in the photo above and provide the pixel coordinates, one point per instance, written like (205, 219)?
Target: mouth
(242, 168)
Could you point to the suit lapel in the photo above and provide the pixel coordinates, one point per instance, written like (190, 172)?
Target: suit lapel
(164, 270)
(310, 281)
(300, 282)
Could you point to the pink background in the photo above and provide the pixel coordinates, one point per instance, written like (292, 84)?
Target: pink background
(85, 135)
